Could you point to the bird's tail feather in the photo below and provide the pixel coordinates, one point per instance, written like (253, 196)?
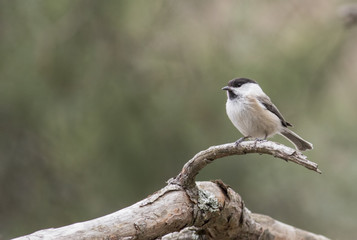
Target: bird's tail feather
(299, 143)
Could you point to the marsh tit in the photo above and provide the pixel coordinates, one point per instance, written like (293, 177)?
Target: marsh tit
(255, 116)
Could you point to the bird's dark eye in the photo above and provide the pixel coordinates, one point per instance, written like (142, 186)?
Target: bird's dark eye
(237, 84)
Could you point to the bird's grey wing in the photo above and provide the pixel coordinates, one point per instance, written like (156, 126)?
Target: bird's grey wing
(272, 108)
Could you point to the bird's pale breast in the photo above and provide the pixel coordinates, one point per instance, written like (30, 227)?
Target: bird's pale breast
(251, 118)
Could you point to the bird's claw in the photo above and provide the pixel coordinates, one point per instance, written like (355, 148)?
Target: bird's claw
(240, 140)
(259, 140)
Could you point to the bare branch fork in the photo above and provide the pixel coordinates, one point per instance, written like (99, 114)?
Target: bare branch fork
(187, 176)
(186, 209)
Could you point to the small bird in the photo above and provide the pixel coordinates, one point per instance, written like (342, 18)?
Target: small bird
(255, 116)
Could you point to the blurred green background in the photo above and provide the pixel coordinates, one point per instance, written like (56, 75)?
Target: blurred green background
(101, 102)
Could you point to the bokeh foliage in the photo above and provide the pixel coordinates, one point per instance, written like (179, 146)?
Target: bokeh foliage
(102, 101)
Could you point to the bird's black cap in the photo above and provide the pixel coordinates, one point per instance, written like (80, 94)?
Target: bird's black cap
(237, 82)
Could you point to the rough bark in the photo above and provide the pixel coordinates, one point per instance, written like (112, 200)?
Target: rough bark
(185, 209)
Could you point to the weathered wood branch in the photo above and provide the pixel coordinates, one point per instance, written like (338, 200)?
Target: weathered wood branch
(170, 210)
(187, 176)
(206, 210)
(163, 212)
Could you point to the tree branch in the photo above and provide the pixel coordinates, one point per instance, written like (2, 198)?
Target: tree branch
(187, 176)
(168, 214)
(165, 211)
(206, 210)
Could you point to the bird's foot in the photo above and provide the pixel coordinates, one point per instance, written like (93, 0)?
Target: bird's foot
(259, 140)
(240, 140)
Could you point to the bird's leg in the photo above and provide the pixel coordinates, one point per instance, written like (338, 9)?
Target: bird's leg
(241, 140)
(260, 140)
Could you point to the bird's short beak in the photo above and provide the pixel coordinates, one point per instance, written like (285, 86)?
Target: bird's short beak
(226, 88)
